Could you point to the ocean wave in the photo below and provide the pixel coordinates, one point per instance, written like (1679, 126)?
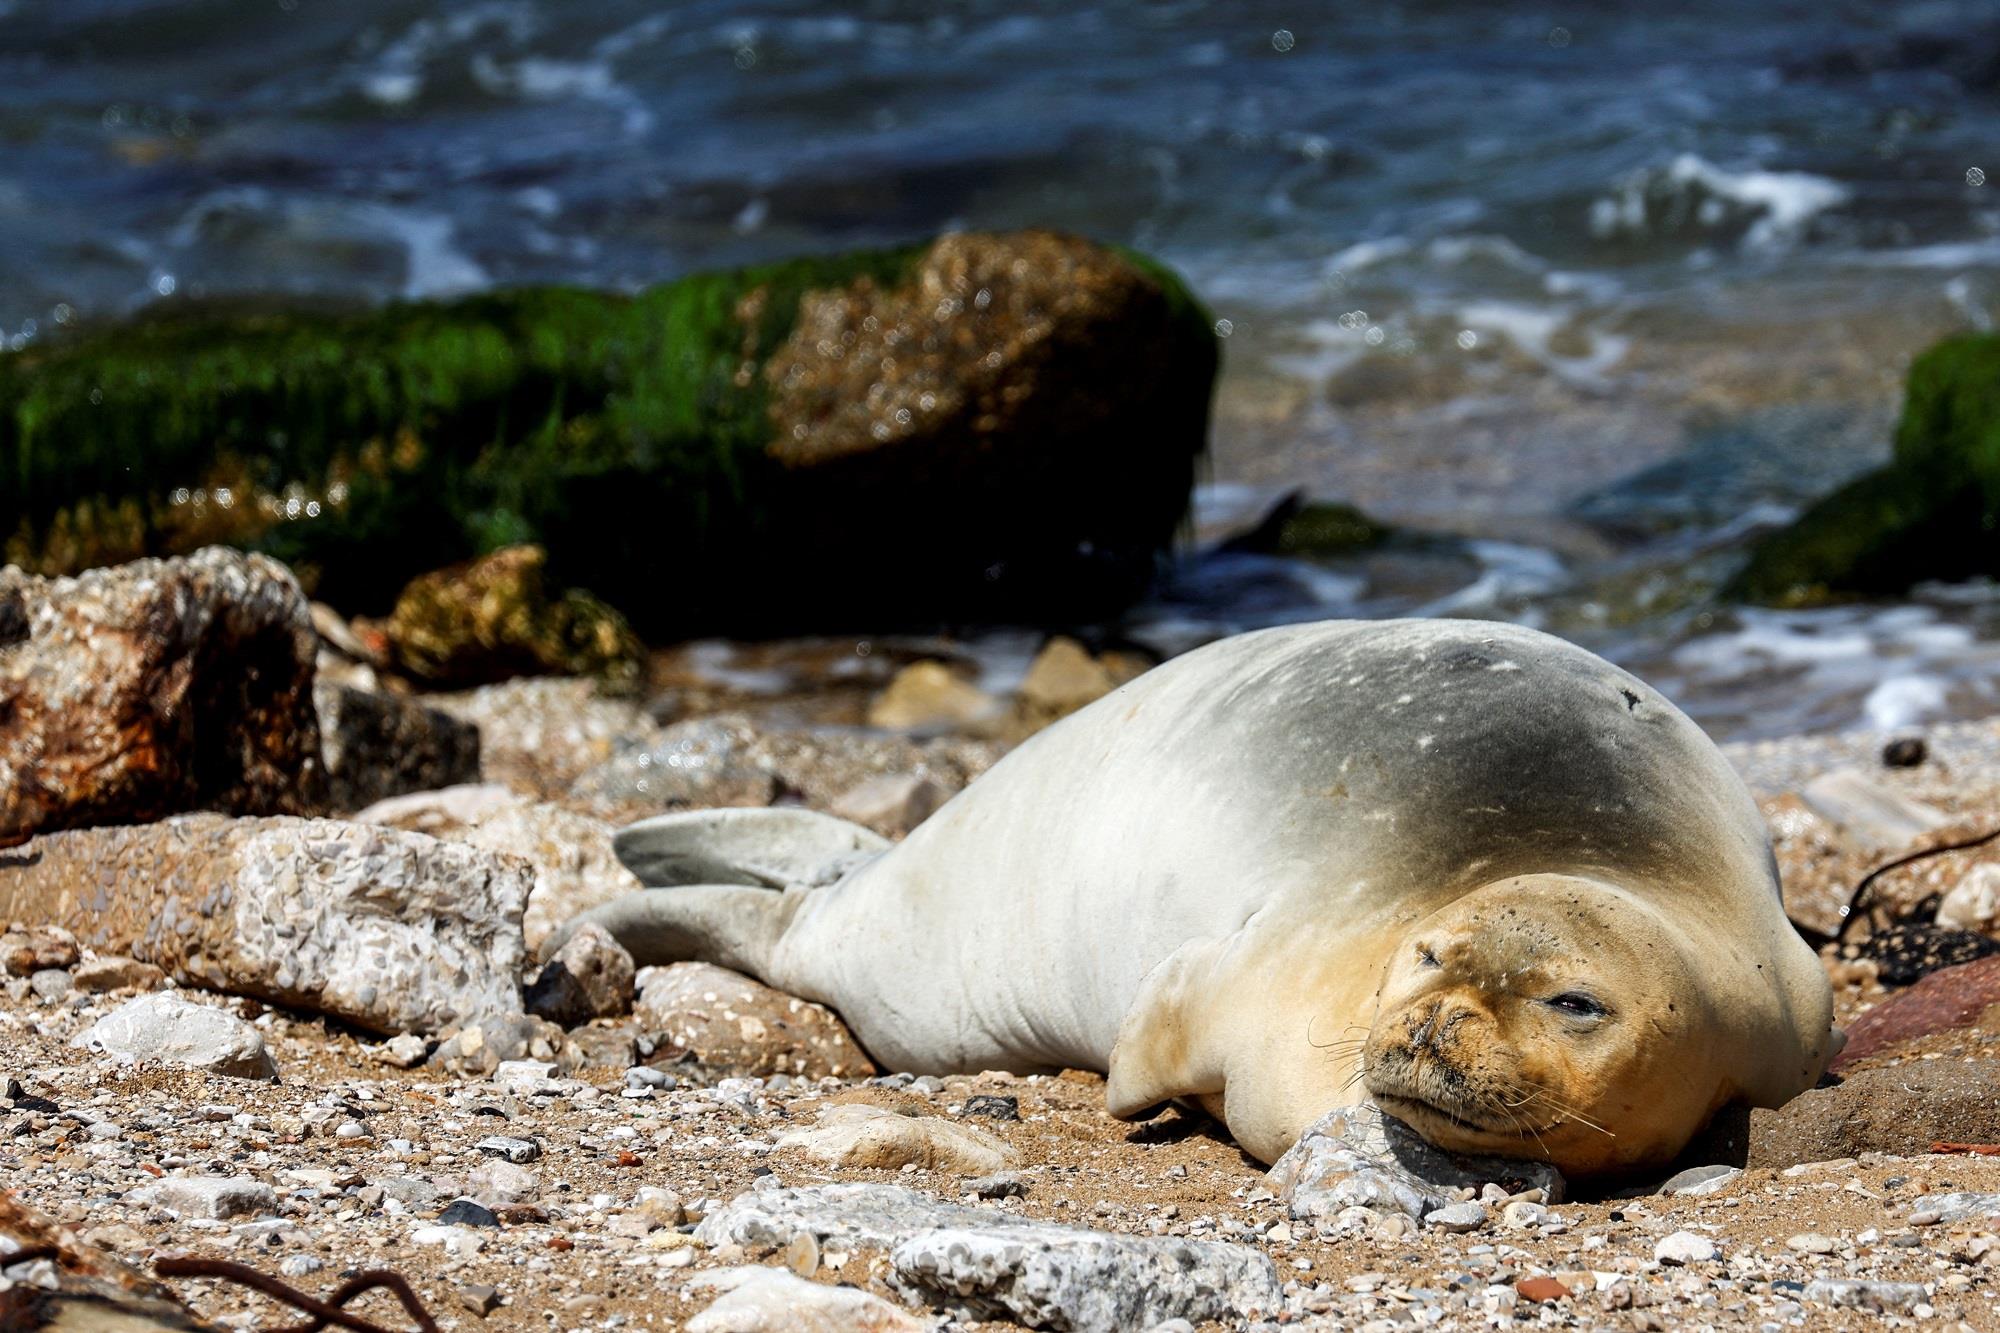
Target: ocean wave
(1771, 209)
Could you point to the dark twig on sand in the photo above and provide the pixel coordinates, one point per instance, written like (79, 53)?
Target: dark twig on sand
(324, 1312)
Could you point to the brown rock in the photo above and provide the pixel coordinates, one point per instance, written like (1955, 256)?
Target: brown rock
(1065, 677)
(930, 696)
(494, 618)
(25, 950)
(156, 687)
(1951, 998)
(872, 1138)
(87, 1288)
(589, 977)
(1541, 1289)
(1901, 1110)
(893, 803)
(114, 973)
(712, 1023)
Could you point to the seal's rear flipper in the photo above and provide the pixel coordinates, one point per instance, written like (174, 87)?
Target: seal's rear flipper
(726, 924)
(770, 848)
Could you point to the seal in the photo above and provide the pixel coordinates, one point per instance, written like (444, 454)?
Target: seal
(1467, 870)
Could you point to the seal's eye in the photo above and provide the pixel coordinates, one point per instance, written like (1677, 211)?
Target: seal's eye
(1577, 1005)
(1426, 957)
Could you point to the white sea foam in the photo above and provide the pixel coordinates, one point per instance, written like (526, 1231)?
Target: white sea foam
(1533, 329)
(1693, 190)
(1904, 700)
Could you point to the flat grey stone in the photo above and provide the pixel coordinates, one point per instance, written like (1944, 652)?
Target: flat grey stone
(866, 1215)
(1700, 1180)
(1049, 1276)
(212, 1197)
(1855, 1294)
(1957, 1207)
(514, 1150)
(1467, 1216)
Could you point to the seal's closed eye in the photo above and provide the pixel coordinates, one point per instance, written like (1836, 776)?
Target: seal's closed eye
(1577, 1005)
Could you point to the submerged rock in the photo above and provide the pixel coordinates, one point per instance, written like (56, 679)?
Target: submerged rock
(166, 1028)
(393, 932)
(154, 688)
(712, 1023)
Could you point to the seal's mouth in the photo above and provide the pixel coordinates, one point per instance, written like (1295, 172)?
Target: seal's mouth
(1405, 1108)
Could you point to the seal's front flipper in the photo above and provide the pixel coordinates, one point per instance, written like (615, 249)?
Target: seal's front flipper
(769, 848)
(1165, 1049)
(726, 924)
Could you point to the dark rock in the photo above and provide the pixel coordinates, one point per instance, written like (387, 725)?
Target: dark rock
(155, 688)
(467, 1213)
(1909, 951)
(380, 745)
(590, 977)
(1306, 529)
(1930, 514)
(1952, 997)
(994, 1108)
(1905, 752)
(494, 618)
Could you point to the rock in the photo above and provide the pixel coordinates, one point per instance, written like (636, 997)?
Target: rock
(481, 1048)
(1974, 902)
(931, 696)
(216, 1198)
(1927, 515)
(494, 618)
(1701, 1180)
(115, 973)
(404, 1051)
(1307, 529)
(1956, 1207)
(1541, 1289)
(892, 804)
(575, 866)
(1685, 1247)
(994, 1108)
(1905, 752)
(844, 1217)
(499, 1182)
(1047, 1276)
(26, 950)
(444, 811)
(715, 1024)
(1871, 818)
(51, 983)
(393, 932)
(1467, 1216)
(467, 1213)
(599, 1046)
(702, 762)
(1065, 677)
(1002, 1185)
(1953, 997)
(1522, 1214)
(1911, 950)
(377, 746)
(477, 1297)
(517, 1151)
(1879, 1297)
(870, 1137)
(1356, 1157)
(154, 688)
(590, 977)
(1811, 1242)
(771, 1300)
(169, 1029)
(1900, 1109)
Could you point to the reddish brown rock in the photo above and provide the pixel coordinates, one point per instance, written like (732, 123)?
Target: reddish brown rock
(1951, 998)
(25, 949)
(83, 1286)
(131, 693)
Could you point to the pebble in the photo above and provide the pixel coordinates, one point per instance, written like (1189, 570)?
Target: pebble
(1467, 1216)
(517, 1151)
(1811, 1242)
(467, 1213)
(216, 1198)
(1685, 1247)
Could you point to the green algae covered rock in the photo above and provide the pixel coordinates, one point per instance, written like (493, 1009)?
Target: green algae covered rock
(956, 430)
(1932, 513)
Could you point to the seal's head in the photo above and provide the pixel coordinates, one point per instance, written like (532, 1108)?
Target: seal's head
(1554, 1017)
